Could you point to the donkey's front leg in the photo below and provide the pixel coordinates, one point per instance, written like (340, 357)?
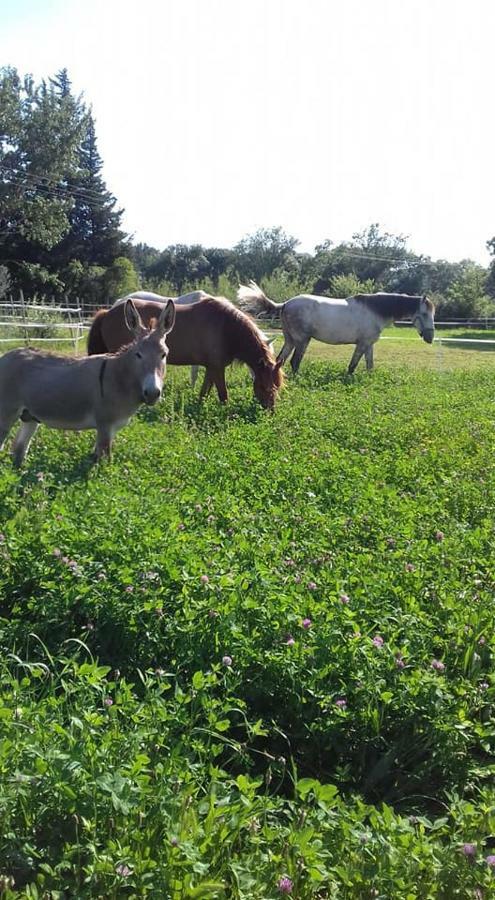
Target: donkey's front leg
(22, 440)
(103, 446)
(356, 356)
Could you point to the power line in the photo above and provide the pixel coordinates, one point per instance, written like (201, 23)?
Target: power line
(39, 179)
(55, 193)
(58, 192)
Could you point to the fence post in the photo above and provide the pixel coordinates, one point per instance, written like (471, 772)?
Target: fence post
(24, 316)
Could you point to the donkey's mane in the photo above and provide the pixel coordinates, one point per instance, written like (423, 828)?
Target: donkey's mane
(392, 306)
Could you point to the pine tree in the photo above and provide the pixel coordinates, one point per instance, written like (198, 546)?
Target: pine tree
(95, 236)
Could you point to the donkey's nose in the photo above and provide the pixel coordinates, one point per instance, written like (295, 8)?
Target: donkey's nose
(151, 394)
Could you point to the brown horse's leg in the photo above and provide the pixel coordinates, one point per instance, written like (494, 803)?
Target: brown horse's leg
(219, 379)
(207, 385)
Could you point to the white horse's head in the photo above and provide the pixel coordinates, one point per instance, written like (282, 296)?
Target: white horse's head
(424, 320)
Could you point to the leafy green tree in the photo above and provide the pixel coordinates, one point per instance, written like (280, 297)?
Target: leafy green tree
(219, 262)
(370, 254)
(348, 285)
(180, 265)
(144, 258)
(258, 255)
(119, 279)
(39, 138)
(467, 297)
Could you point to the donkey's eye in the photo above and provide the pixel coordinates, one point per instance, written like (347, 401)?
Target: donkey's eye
(163, 355)
(139, 355)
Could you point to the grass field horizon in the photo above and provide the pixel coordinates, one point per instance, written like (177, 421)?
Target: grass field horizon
(253, 656)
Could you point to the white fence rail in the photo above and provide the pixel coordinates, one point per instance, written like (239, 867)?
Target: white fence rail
(40, 323)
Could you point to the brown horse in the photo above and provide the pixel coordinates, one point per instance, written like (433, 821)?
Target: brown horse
(210, 333)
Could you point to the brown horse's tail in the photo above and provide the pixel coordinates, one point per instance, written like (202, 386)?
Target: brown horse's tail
(96, 344)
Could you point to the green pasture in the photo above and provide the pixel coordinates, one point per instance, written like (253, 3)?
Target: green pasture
(253, 656)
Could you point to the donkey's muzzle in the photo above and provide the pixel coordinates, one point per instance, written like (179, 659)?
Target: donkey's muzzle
(428, 335)
(151, 395)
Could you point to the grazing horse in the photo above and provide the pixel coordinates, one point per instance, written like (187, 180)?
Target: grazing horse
(192, 297)
(211, 333)
(357, 320)
(183, 300)
(100, 392)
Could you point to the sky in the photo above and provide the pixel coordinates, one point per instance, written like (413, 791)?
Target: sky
(218, 117)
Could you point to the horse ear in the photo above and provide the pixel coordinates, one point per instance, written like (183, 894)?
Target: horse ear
(166, 319)
(278, 364)
(132, 318)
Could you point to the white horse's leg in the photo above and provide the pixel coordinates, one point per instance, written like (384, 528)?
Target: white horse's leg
(286, 349)
(298, 355)
(356, 356)
(22, 441)
(368, 355)
(194, 375)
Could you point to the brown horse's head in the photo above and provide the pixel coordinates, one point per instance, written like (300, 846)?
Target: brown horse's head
(268, 378)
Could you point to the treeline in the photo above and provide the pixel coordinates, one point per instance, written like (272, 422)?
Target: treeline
(61, 235)
(372, 261)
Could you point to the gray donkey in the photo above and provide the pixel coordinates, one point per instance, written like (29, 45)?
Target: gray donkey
(80, 393)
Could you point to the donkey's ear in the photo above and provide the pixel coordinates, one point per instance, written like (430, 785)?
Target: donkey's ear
(166, 319)
(132, 318)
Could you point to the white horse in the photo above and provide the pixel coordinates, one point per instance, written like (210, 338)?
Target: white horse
(357, 320)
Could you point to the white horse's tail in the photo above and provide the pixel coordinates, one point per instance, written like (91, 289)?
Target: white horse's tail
(253, 300)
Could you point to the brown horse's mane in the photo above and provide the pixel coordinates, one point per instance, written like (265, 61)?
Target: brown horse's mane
(392, 306)
(247, 343)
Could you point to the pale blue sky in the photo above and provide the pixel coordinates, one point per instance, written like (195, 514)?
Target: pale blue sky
(216, 117)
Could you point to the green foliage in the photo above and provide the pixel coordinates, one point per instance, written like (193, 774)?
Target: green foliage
(167, 734)
(56, 211)
(348, 285)
(119, 279)
(5, 282)
(35, 163)
(95, 237)
(258, 255)
(467, 296)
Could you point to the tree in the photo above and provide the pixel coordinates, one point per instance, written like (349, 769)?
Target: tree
(39, 138)
(370, 254)
(95, 236)
(143, 257)
(349, 285)
(120, 279)
(258, 255)
(490, 282)
(180, 265)
(467, 296)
